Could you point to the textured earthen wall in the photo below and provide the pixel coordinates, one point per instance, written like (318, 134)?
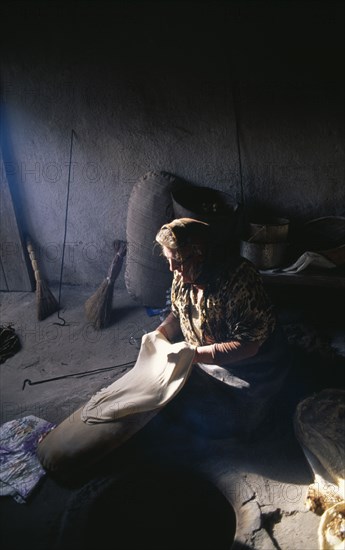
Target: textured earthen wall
(160, 86)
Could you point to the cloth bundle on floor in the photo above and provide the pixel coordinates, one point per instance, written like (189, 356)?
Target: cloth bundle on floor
(20, 471)
(117, 412)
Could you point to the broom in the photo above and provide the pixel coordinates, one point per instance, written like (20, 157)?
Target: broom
(98, 306)
(45, 300)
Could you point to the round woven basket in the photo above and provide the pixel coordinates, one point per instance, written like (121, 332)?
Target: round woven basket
(331, 533)
(275, 230)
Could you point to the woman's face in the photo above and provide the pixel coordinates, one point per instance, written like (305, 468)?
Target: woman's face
(188, 263)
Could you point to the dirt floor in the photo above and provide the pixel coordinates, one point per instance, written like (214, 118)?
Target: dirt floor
(252, 492)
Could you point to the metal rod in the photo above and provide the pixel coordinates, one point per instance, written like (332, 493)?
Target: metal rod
(65, 229)
(238, 142)
(27, 381)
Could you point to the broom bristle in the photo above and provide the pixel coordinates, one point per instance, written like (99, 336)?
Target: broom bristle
(98, 305)
(46, 301)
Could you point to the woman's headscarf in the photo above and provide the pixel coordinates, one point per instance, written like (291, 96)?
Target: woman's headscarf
(183, 232)
(187, 236)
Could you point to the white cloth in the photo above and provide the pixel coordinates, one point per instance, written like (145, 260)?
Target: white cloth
(159, 373)
(308, 258)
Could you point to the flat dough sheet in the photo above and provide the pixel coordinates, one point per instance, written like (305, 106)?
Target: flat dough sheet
(158, 375)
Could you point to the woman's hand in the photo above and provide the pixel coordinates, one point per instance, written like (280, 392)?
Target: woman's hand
(170, 327)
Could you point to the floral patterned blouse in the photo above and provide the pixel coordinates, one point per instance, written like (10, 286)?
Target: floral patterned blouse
(233, 305)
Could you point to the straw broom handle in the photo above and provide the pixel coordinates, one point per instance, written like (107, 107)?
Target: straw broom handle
(116, 264)
(33, 261)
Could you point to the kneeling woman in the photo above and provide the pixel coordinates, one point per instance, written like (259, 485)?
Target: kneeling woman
(219, 306)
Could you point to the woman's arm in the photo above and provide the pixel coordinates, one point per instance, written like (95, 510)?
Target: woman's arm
(225, 352)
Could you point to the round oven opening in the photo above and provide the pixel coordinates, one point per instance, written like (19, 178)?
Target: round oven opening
(156, 509)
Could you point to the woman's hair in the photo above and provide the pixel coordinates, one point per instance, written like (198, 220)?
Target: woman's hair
(183, 232)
